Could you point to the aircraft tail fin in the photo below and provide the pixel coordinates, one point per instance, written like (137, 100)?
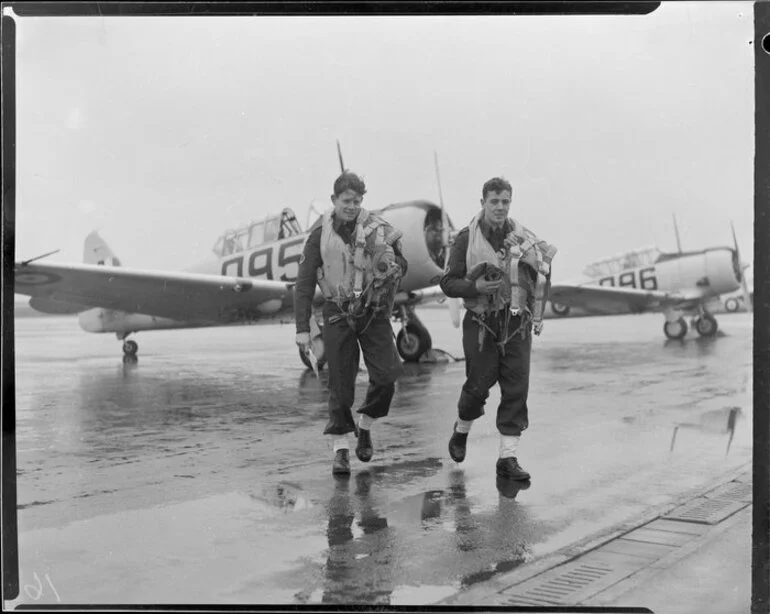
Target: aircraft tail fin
(96, 251)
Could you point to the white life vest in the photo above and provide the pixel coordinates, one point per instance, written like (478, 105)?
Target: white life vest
(515, 293)
(347, 272)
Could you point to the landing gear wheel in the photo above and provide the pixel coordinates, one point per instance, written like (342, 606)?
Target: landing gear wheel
(706, 325)
(559, 309)
(130, 348)
(731, 305)
(413, 342)
(676, 329)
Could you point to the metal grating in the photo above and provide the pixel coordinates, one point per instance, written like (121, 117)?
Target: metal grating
(663, 538)
(735, 491)
(674, 526)
(643, 550)
(594, 572)
(572, 582)
(706, 511)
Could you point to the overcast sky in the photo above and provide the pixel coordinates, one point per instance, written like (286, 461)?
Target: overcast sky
(165, 131)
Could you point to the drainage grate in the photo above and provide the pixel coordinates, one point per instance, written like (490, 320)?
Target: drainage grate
(656, 536)
(672, 526)
(572, 582)
(706, 511)
(735, 491)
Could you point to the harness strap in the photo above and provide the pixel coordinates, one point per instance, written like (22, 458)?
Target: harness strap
(521, 328)
(358, 261)
(350, 314)
(484, 328)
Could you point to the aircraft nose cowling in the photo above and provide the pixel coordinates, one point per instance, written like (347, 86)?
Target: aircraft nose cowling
(723, 274)
(422, 243)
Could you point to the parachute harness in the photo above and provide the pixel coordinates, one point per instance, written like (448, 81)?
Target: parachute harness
(387, 274)
(505, 336)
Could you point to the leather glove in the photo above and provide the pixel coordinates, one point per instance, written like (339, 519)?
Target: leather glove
(485, 286)
(477, 271)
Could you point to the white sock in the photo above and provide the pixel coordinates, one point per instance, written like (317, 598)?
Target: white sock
(365, 422)
(463, 426)
(340, 442)
(508, 445)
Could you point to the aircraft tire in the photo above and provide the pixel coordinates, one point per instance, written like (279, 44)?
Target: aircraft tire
(706, 325)
(559, 309)
(130, 348)
(732, 304)
(676, 329)
(414, 343)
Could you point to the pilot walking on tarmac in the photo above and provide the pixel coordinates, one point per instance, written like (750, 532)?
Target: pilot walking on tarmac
(355, 257)
(502, 271)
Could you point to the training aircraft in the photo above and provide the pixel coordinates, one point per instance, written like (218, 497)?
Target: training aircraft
(648, 279)
(249, 280)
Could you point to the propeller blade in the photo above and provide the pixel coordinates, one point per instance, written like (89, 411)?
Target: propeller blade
(676, 232)
(454, 303)
(735, 242)
(444, 218)
(339, 155)
(746, 295)
(742, 268)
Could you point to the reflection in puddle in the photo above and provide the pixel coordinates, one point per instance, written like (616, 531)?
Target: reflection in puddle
(374, 558)
(284, 496)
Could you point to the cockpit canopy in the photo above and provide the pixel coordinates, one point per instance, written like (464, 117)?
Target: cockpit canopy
(273, 228)
(646, 256)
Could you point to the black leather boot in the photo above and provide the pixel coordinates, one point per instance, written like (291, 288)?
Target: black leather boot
(510, 468)
(457, 445)
(364, 449)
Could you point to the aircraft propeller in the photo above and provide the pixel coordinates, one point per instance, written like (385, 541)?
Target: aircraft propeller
(339, 155)
(740, 268)
(676, 231)
(454, 303)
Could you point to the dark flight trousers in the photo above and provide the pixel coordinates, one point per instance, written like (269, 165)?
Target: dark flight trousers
(342, 357)
(486, 367)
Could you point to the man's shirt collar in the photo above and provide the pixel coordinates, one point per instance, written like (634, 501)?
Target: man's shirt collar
(488, 231)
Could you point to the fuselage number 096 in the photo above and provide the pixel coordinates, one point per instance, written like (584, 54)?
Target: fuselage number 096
(643, 279)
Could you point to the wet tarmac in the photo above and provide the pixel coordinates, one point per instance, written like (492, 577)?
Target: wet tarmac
(199, 474)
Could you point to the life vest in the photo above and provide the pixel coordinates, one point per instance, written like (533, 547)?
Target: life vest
(366, 273)
(517, 292)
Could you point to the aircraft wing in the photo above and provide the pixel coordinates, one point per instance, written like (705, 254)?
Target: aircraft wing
(612, 298)
(188, 297)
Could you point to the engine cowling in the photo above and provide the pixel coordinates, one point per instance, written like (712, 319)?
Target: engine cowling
(722, 270)
(422, 249)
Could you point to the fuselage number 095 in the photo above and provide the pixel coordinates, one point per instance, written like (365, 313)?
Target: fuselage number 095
(266, 264)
